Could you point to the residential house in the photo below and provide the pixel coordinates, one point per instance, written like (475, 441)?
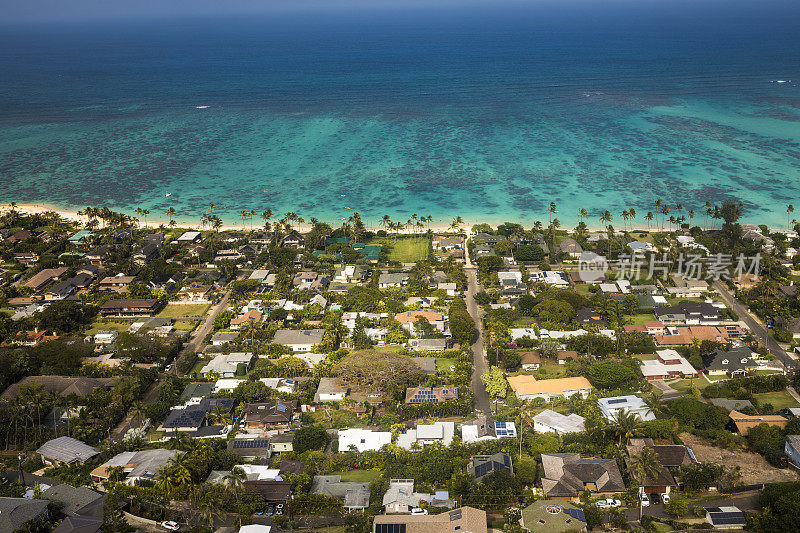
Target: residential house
(792, 449)
(486, 428)
(66, 451)
(461, 520)
(726, 517)
(613, 406)
(118, 283)
(310, 280)
(228, 365)
(571, 248)
(281, 443)
(689, 313)
(287, 385)
(43, 278)
(416, 395)
(528, 387)
(553, 516)
(62, 386)
(330, 390)
(530, 360)
(29, 338)
(259, 275)
(567, 475)
(222, 338)
(190, 237)
(668, 363)
(549, 421)
(401, 498)
(299, 340)
(59, 291)
(146, 253)
(480, 466)
(427, 345)
(426, 434)
(671, 457)
(194, 416)
(363, 439)
(407, 319)
(269, 415)
(744, 423)
(738, 361)
(76, 501)
(293, 239)
(98, 255)
(142, 465)
(389, 280)
(15, 512)
(254, 316)
(730, 405)
(194, 293)
(250, 448)
(128, 308)
(354, 494)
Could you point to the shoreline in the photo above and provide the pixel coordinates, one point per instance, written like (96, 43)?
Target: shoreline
(70, 214)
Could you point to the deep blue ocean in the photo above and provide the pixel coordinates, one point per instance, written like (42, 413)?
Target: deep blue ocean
(486, 114)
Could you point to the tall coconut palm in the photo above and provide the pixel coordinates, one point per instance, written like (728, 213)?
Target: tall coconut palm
(265, 216)
(171, 213)
(625, 216)
(627, 425)
(706, 212)
(385, 221)
(789, 211)
(235, 480)
(607, 217)
(551, 210)
(582, 213)
(648, 217)
(457, 223)
(645, 465)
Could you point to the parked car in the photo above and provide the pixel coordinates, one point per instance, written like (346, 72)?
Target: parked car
(665, 498)
(645, 500)
(608, 502)
(270, 509)
(655, 498)
(419, 511)
(170, 525)
(279, 509)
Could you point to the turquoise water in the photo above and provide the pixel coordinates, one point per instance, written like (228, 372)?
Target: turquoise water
(489, 120)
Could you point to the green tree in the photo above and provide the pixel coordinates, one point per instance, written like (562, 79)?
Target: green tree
(309, 438)
(676, 507)
(495, 382)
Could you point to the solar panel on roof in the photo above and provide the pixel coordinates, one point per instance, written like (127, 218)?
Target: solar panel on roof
(617, 400)
(455, 515)
(281, 407)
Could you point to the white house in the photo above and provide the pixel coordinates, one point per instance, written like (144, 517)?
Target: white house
(549, 421)
(426, 434)
(611, 407)
(225, 365)
(299, 340)
(363, 439)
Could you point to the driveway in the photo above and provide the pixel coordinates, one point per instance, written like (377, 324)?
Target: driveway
(202, 332)
(758, 329)
(480, 366)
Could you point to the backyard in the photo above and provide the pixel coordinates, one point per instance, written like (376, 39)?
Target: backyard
(405, 249)
(779, 400)
(184, 311)
(359, 476)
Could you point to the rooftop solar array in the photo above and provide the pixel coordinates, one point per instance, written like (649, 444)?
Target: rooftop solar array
(281, 407)
(390, 528)
(258, 443)
(455, 515)
(576, 513)
(617, 400)
(726, 518)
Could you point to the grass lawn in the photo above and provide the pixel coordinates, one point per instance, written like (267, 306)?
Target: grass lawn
(108, 325)
(405, 249)
(644, 356)
(683, 384)
(184, 311)
(186, 325)
(443, 364)
(766, 372)
(524, 322)
(639, 319)
(358, 476)
(779, 400)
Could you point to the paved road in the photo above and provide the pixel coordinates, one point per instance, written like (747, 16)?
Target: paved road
(118, 433)
(758, 329)
(480, 366)
(201, 332)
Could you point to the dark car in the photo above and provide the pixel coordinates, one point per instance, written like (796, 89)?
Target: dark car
(655, 498)
(270, 509)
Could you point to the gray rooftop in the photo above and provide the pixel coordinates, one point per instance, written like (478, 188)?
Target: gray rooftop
(67, 450)
(289, 337)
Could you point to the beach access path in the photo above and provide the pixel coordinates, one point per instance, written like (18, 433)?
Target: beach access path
(479, 364)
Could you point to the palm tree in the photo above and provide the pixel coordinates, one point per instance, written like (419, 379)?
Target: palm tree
(627, 425)
(607, 217)
(664, 212)
(243, 214)
(235, 480)
(385, 221)
(137, 412)
(789, 211)
(550, 212)
(145, 212)
(648, 217)
(645, 465)
(171, 213)
(625, 216)
(582, 213)
(632, 214)
(457, 223)
(265, 216)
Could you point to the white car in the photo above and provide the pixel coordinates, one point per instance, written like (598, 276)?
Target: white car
(645, 500)
(665, 498)
(419, 510)
(608, 502)
(171, 525)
